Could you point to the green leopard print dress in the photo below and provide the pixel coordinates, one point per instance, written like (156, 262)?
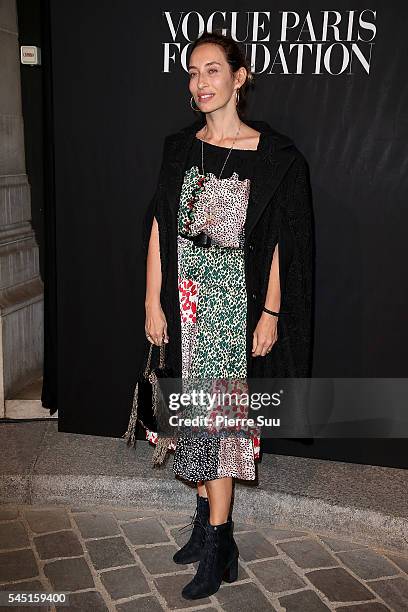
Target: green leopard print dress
(213, 303)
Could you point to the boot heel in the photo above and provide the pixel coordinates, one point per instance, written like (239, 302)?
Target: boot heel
(231, 573)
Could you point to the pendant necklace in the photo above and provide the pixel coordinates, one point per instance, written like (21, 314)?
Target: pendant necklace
(210, 217)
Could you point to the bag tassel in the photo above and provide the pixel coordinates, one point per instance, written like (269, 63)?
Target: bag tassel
(130, 434)
(160, 452)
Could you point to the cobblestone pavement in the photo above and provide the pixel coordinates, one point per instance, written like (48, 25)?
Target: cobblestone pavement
(121, 559)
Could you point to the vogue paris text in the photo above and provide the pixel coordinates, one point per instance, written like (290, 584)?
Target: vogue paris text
(286, 42)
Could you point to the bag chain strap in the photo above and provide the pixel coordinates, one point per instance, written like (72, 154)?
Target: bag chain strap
(161, 360)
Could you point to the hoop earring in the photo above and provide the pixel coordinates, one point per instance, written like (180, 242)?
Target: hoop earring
(237, 96)
(194, 109)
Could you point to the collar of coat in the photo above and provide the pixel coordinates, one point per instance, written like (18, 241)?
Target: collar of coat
(276, 154)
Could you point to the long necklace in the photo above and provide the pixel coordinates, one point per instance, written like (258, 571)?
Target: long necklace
(229, 152)
(210, 217)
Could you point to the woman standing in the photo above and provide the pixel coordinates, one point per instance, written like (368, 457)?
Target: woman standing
(228, 248)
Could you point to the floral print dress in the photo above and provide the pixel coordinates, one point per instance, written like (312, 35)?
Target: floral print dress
(213, 306)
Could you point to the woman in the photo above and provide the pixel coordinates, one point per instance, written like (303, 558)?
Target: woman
(227, 245)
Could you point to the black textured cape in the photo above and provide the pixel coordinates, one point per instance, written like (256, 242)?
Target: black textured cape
(279, 211)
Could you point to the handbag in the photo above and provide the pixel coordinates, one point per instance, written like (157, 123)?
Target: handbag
(147, 406)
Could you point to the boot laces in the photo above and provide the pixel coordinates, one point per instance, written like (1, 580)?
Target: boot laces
(195, 521)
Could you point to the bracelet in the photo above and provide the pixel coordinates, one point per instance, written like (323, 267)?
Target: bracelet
(271, 312)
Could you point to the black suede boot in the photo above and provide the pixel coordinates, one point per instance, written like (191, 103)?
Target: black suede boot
(193, 549)
(219, 562)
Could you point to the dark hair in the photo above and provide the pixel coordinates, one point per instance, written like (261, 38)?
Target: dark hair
(235, 57)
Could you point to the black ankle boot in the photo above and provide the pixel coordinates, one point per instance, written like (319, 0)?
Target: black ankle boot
(219, 562)
(192, 550)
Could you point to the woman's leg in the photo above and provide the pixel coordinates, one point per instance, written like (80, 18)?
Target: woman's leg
(201, 489)
(219, 494)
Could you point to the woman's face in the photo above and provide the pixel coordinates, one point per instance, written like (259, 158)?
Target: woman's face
(211, 82)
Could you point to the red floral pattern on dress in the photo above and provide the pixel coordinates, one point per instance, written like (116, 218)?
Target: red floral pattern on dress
(188, 291)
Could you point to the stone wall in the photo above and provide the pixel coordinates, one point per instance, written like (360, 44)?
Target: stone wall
(21, 289)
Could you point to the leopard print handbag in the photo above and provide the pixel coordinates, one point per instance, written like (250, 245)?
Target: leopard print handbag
(148, 406)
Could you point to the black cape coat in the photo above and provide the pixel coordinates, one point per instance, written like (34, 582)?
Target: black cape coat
(279, 211)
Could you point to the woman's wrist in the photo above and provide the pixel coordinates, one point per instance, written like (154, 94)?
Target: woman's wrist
(152, 303)
(273, 301)
(271, 312)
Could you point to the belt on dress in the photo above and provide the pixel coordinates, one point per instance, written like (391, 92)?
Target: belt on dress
(202, 239)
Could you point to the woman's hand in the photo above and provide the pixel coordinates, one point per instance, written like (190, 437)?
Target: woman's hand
(156, 324)
(265, 335)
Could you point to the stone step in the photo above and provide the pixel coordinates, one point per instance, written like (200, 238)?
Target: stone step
(25, 400)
